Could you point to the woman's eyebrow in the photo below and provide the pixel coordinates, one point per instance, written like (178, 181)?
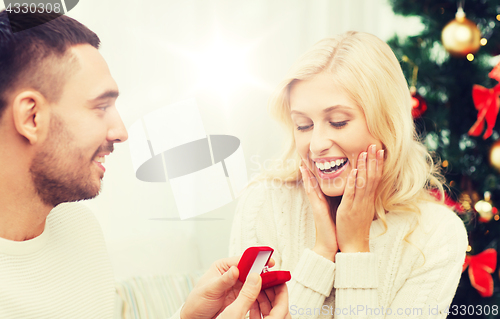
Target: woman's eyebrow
(327, 110)
(296, 112)
(333, 108)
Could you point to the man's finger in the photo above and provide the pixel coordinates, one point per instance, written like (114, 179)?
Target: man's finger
(280, 304)
(255, 311)
(245, 299)
(271, 263)
(224, 282)
(264, 303)
(271, 295)
(223, 265)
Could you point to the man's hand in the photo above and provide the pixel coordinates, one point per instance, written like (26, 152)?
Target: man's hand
(272, 304)
(219, 294)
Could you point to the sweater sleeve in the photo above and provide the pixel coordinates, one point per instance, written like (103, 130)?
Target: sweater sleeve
(267, 217)
(426, 293)
(177, 314)
(311, 283)
(356, 284)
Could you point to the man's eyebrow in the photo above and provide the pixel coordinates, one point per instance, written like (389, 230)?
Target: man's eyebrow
(106, 95)
(327, 110)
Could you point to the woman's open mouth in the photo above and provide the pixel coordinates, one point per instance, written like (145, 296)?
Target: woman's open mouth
(332, 168)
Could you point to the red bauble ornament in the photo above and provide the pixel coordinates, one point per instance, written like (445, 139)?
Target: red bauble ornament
(418, 103)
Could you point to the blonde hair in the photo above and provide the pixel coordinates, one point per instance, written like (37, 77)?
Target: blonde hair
(365, 68)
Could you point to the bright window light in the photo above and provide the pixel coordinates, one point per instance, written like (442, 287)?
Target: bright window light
(222, 67)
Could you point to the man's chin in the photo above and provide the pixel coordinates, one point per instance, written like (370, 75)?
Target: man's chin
(74, 194)
(95, 191)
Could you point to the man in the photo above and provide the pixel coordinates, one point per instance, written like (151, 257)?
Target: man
(58, 121)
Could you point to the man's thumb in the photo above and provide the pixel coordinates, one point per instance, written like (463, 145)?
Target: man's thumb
(247, 296)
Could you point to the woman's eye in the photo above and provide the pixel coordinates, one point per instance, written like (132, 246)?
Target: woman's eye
(338, 124)
(303, 128)
(334, 124)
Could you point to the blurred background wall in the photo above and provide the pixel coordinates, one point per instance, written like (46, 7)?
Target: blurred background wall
(229, 55)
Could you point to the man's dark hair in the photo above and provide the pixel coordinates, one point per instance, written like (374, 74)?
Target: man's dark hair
(38, 57)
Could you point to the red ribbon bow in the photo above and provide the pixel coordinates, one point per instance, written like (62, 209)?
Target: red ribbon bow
(481, 266)
(486, 103)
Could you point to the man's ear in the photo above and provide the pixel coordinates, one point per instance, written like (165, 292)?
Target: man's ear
(30, 114)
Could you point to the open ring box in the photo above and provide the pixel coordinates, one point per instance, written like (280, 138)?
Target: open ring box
(254, 260)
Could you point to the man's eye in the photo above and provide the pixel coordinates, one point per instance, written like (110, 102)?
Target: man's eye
(103, 108)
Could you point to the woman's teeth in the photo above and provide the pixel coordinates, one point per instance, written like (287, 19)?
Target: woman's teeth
(332, 166)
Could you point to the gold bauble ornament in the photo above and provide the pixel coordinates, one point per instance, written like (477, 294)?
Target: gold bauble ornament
(495, 155)
(461, 36)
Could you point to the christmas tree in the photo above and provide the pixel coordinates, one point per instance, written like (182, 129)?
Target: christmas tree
(456, 99)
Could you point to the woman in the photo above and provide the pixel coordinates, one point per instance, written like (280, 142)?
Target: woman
(348, 210)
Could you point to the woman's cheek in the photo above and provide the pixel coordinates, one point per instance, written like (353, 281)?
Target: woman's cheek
(301, 146)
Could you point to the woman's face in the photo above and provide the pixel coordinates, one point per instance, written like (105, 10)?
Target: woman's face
(330, 131)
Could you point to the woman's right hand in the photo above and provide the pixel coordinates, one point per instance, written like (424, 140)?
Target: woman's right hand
(326, 236)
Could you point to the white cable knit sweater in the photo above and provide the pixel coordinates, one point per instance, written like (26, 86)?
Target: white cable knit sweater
(63, 273)
(393, 280)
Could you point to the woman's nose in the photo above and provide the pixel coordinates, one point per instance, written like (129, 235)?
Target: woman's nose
(320, 141)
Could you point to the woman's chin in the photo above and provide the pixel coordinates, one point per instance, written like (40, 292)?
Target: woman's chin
(334, 194)
(332, 191)
(332, 187)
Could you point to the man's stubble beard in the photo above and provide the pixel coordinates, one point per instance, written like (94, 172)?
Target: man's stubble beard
(60, 171)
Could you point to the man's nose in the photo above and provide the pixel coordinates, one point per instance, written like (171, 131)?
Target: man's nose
(117, 132)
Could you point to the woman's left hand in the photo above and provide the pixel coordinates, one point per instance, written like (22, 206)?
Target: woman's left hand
(357, 208)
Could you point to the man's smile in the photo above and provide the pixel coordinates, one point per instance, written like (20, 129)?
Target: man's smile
(99, 161)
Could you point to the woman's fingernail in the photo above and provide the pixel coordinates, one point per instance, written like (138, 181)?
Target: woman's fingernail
(373, 148)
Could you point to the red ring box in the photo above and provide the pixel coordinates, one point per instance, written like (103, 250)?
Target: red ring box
(254, 260)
